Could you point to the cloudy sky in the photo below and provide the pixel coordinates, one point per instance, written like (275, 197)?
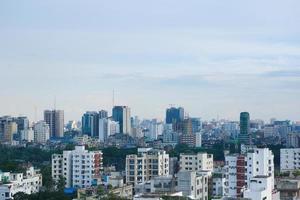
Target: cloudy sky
(215, 58)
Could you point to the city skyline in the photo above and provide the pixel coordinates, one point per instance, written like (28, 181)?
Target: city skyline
(212, 58)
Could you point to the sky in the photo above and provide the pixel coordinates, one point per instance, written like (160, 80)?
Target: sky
(214, 58)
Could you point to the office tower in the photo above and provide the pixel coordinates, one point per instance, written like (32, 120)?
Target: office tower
(41, 132)
(90, 124)
(187, 126)
(196, 125)
(103, 114)
(174, 115)
(10, 129)
(23, 123)
(146, 164)
(244, 136)
(122, 115)
(196, 162)
(79, 167)
(107, 127)
(55, 120)
(242, 169)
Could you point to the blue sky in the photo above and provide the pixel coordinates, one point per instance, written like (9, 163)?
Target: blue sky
(215, 58)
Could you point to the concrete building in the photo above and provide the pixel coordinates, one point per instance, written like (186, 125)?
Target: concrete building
(289, 159)
(122, 115)
(218, 187)
(192, 184)
(240, 169)
(10, 129)
(261, 187)
(289, 188)
(27, 135)
(107, 127)
(41, 132)
(80, 167)
(196, 162)
(146, 164)
(12, 183)
(244, 136)
(55, 120)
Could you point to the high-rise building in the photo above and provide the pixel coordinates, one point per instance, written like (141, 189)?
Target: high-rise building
(55, 120)
(146, 164)
(122, 115)
(41, 132)
(23, 123)
(80, 167)
(90, 124)
(174, 115)
(244, 136)
(103, 114)
(107, 127)
(10, 129)
(196, 125)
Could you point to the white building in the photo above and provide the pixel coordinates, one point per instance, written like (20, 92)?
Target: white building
(107, 127)
(79, 167)
(146, 164)
(192, 184)
(196, 162)
(13, 183)
(198, 139)
(240, 169)
(218, 185)
(27, 135)
(289, 159)
(41, 132)
(260, 187)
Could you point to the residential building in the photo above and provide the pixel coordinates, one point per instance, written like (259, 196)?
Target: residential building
(146, 164)
(12, 183)
(192, 184)
(55, 120)
(41, 132)
(27, 135)
(289, 188)
(196, 162)
(80, 167)
(289, 159)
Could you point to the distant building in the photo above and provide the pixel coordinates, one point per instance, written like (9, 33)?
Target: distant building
(55, 120)
(80, 167)
(12, 183)
(196, 125)
(122, 115)
(41, 132)
(90, 124)
(244, 135)
(107, 127)
(174, 115)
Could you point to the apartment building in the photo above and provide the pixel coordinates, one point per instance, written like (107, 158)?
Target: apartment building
(240, 169)
(289, 159)
(146, 164)
(193, 184)
(79, 167)
(12, 183)
(196, 162)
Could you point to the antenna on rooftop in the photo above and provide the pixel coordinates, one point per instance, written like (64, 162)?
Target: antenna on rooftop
(113, 98)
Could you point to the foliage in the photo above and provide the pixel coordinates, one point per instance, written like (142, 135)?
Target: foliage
(117, 157)
(42, 195)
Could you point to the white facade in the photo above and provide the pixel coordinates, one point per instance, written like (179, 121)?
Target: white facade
(198, 139)
(289, 159)
(41, 132)
(79, 167)
(219, 186)
(260, 188)
(17, 182)
(146, 164)
(107, 127)
(27, 135)
(192, 184)
(196, 162)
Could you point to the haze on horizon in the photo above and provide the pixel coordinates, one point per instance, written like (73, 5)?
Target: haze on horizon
(214, 58)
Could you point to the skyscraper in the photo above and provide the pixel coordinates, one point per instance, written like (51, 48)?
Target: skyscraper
(174, 115)
(55, 120)
(244, 135)
(122, 115)
(90, 124)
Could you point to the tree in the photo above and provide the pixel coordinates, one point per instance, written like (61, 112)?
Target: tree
(60, 185)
